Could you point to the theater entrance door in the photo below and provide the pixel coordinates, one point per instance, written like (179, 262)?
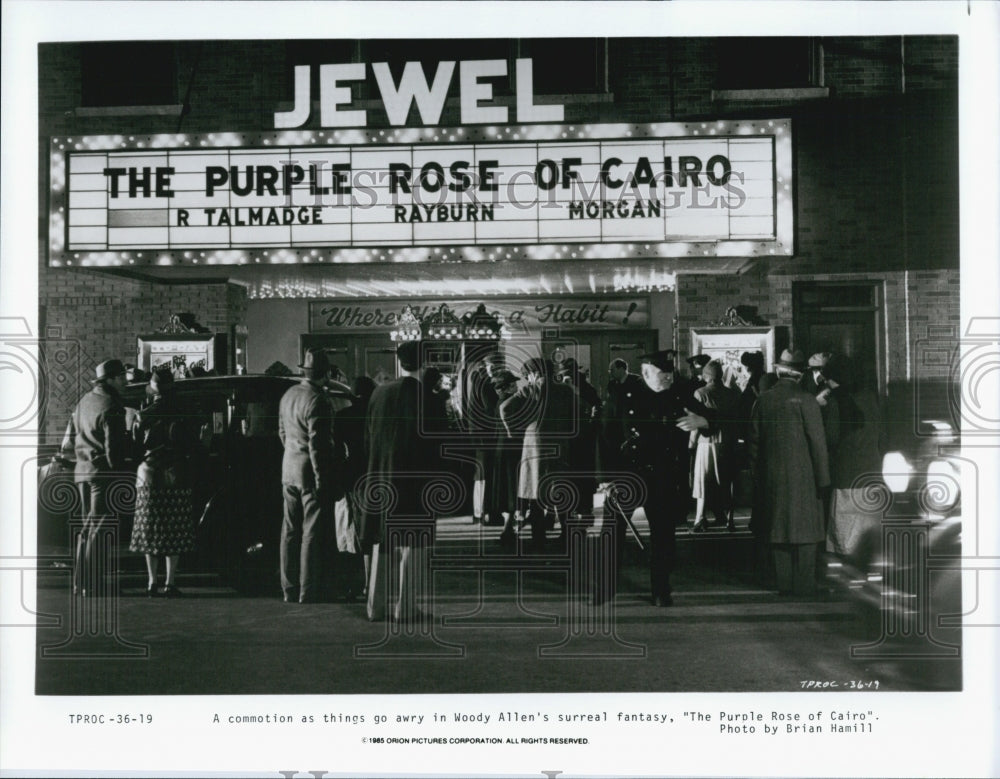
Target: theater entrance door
(594, 351)
(356, 355)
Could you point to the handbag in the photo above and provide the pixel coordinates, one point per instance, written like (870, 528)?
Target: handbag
(347, 534)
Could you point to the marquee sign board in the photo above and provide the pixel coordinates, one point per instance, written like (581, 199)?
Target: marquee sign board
(720, 189)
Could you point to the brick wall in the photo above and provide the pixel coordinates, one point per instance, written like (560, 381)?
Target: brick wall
(87, 317)
(917, 306)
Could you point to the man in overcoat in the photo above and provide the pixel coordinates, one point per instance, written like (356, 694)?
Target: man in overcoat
(402, 458)
(482, 420)
(97, 435)
(308, 476)
(789, 462)
(583, 452)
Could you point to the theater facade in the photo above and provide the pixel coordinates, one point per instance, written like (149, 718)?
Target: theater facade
(229, 204)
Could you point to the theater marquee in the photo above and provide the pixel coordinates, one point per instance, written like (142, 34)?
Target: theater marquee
(695, 189)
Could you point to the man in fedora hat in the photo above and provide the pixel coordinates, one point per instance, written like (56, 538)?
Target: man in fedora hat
(789, 463)
(815, 382)
(813, 379)
(308, 479)
(402, 459)
(96, 434)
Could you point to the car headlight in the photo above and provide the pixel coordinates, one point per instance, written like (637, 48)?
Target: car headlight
(896, 471)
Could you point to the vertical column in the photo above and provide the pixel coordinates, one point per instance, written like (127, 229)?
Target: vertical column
(591, 627)
(93, 622)
(409, 629)
(906, 602)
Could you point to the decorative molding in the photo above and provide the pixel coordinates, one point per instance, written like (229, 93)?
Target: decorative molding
(732, 319)
(182, 324)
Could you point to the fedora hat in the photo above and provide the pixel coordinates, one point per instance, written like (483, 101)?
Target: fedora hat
(791, 359)
(820, 360)
(315, 361)
(109, 369)
(663, 359)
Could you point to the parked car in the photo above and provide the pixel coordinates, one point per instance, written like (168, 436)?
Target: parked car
(904, 568)
(237, 490)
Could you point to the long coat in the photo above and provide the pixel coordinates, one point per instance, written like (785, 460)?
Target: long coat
(502, 486)
(627, 405)
(860, 438)
(399, 458)
(482, 418)
(789, 461)
(548, 438)
(349, 434)
(714, 447)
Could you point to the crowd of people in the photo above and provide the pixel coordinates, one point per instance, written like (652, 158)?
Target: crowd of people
(545, 441)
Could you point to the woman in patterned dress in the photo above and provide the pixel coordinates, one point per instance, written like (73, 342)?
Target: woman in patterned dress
(164, 525)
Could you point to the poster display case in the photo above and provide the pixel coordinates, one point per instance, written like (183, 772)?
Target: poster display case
(183, 348)
(729, 338)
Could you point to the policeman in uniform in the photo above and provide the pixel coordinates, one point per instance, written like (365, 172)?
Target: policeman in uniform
(659, 450)
(626, 403)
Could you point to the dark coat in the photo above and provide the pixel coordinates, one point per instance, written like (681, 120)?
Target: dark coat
(790, 464)
(661, 448)
(305, 426)
(725, 402)
(349, 434)
(97, 433)
(860, 438)
(626, 406)
(481, 407)
(399, 457)
(502, 487)
(164, 435)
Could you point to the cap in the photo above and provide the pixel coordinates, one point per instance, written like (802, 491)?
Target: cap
(664, 359)
(699, 361)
